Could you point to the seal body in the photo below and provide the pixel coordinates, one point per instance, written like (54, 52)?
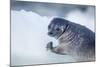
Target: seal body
(74, 39)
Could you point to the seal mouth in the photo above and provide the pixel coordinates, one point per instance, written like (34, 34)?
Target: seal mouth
(51, 34)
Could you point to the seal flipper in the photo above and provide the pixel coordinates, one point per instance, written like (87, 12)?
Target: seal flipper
(50, 46)
(56, 50)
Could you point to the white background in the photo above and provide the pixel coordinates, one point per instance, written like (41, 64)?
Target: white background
(5, 36)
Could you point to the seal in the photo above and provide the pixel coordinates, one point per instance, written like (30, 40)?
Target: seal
(74, 39)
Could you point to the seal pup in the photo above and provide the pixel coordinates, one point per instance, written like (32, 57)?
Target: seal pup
(74, 39)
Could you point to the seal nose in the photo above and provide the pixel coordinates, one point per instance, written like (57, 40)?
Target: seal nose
(50, 33)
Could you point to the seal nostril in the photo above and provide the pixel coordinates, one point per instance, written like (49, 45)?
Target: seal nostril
(50, 33)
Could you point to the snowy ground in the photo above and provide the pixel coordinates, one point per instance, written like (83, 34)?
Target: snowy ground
(29, 37)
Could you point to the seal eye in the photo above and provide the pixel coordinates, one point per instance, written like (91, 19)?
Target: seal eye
(57, 29)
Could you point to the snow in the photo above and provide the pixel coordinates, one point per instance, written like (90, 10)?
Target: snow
(29, 38)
